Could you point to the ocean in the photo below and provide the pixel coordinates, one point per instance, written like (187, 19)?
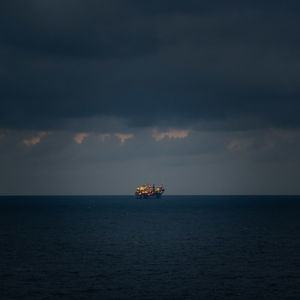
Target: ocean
(177, 247)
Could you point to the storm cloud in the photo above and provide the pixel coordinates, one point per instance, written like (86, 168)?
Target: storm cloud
(157, 63)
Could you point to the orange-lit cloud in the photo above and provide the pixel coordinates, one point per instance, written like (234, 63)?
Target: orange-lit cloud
(79, 137)
(171, 134)
(124, 137)
(276, 137)
(239, 144)
(103, 136)
(35, 140)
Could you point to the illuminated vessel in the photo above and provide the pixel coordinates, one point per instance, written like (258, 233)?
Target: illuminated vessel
(149, 191)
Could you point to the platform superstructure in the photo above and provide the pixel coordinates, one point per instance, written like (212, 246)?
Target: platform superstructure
(149, 191)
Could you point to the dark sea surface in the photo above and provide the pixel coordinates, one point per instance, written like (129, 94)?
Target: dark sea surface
(178, 247)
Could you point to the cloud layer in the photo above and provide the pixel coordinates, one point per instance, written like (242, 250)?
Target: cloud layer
(149, 64)
(218, 162)
(203, 96)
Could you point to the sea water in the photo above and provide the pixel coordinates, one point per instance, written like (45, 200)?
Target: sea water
(177, 247)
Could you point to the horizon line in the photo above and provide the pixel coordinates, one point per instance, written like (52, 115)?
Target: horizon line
(132, 195)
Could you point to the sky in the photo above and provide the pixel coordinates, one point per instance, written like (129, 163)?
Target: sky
(98, 97)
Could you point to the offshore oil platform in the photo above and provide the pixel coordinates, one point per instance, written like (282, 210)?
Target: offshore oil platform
(149, 191)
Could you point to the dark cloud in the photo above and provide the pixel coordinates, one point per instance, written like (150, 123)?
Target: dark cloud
(149, 63)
